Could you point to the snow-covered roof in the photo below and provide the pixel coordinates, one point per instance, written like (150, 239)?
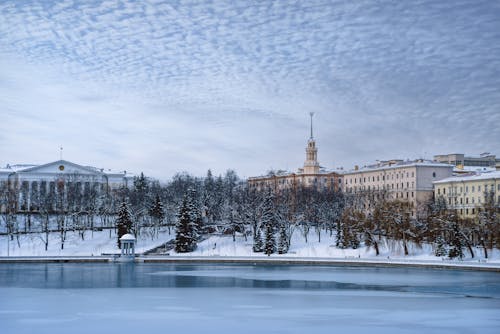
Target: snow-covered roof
(16, 168)
(469, 177)
(127, 237)
(404, 164)
(475, 169)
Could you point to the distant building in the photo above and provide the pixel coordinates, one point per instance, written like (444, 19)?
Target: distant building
(310, 175)
(29, 181)
(468, 193)
(460, 160)
(408, 181)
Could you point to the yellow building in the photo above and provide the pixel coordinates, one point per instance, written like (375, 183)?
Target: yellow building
(468, 193)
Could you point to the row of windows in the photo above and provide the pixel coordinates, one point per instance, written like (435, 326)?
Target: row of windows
(472, 200)
(466, 188)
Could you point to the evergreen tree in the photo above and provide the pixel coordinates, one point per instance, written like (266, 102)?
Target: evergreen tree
(270, 245)
(186, 230)
(123, 221)
(258, 245)
(456, 243)
(283, 240)
(157, 210)
(157, 213)
(440, 247)
(267, 222)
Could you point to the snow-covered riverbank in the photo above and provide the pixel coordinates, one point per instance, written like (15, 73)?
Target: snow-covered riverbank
(223, 248)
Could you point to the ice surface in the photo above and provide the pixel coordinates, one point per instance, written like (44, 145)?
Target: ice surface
(168, 298)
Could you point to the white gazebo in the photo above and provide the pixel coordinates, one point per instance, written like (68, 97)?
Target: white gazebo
(127, 242)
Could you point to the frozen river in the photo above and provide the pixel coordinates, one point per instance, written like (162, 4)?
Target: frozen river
(197, 298)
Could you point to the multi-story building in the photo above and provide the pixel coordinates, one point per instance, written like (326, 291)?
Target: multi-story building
(310, 175)
(408, 181)
(28, 181)
(459, 159)
(469, 193)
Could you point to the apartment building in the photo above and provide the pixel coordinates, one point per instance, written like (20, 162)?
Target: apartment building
(408, 181)
(468, 193)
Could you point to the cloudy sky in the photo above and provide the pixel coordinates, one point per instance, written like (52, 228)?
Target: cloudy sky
(168, 86)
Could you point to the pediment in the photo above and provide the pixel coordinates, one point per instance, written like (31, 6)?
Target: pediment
(62, 167)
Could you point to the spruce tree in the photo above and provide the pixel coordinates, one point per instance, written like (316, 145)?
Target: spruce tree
(157, 211)
(258, 246)
(123, 221)
(456, 243)
(440, 247)
(270, 245)
(283, 240)
(186, 229)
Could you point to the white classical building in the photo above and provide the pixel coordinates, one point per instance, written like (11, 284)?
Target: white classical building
(30, 180)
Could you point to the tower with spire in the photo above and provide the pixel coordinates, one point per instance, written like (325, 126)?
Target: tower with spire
(311, 165)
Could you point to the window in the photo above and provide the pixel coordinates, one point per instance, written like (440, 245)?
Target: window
(433, 174)
(412, 174)
(467, 200)
(460, 189)
(479, 188)
(466, 211)
(472, 189)
(466, 189)
(473, 211)
(439, 191)
(444, 191)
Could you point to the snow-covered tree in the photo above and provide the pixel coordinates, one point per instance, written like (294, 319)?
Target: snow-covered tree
(283, 244)
(456, 243)
(157, 212)
(186, 236)
(123, 221)
(270, 243)
(258, 245)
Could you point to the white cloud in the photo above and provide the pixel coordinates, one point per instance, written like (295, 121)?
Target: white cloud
(162, 86)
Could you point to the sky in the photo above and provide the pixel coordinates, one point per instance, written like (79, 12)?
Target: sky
(170, 86)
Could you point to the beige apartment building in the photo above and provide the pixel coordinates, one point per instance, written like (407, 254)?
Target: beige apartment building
(408, 181)
(310, 175)
(467, 193)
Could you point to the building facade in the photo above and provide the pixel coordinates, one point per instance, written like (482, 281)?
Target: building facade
(29, 182)
(310, 175)
(407, 181)
(459, 159)
(467, 194)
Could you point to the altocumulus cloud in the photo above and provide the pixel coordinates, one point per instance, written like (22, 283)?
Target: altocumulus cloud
(165, 86)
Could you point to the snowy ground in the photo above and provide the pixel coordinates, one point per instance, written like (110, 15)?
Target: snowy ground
(219, 245)
(95, 243)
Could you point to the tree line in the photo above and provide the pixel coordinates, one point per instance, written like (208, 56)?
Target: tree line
(194, 207)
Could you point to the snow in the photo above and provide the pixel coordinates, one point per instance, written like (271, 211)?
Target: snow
(127, 236)
(217, 246)
(95, 243)
(476, 177)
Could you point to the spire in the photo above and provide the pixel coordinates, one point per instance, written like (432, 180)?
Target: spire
(312, 114)
(60, 153)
